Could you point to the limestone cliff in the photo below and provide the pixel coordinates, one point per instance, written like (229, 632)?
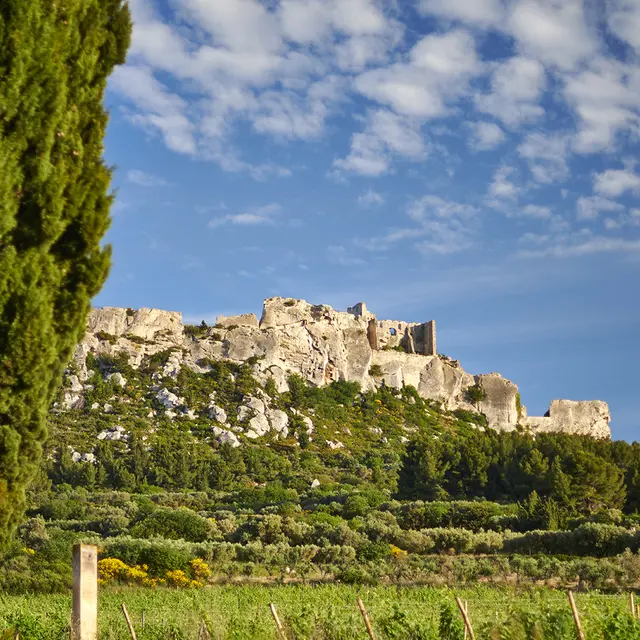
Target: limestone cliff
(324, 345)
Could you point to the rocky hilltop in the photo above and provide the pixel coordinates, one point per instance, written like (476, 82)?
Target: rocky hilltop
(323, 345)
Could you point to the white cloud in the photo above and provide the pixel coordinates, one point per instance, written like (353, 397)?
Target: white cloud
(589, 207)
(516, 88)
(553, 31)
(448, 226)
(631, 219)
(386, 133)
(442, 227)
(157, 109)
(286, 114)
(339, 255)
(239, 26)
(144, 179)
(485, 136)
(582, 243)
(623, 18)
(606, 98)
(547, 156)
(439, 70)
(258, 216)
(370, 198)
(305, 21)
(536, 211)
(477, 12)
(615, 182)
(501, 187)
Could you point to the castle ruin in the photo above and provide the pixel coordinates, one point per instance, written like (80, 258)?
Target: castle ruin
(411, 337)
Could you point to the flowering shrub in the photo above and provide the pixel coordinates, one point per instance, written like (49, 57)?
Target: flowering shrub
(200, 570)
(181, 580)
(114, 570)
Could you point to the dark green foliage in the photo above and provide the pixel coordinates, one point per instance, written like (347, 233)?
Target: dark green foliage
(196, 330)
(106, 337)
(173, 524)
(476, 394)
(375, 370)
(55, 59)
(451, 626)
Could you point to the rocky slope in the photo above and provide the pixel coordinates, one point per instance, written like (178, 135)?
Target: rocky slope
(321, 345)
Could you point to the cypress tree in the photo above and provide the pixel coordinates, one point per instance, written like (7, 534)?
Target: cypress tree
(55, 58)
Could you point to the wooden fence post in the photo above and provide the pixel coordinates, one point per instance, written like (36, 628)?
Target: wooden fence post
(632, 604)
(465, 617)
(132, 631)
(274, 613)
(466, 609)
(365, 617)
(84, 613)
(576, 617)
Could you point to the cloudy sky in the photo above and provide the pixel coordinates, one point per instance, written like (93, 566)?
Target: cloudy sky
(472, 161)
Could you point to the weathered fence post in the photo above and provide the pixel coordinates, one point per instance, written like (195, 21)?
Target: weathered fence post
(132, 631)
(632, 604)
(466, 608)
(84, 613)
(576, 617)
(365, 617)
(465, 617)
(274, 613)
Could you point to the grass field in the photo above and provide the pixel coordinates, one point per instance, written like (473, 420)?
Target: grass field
(329, 612)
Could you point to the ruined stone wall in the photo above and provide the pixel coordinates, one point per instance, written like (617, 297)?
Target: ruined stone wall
(576, 417)
(244, 320)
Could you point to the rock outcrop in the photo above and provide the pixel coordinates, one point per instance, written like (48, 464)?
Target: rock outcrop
(589, 418)
(322, 345)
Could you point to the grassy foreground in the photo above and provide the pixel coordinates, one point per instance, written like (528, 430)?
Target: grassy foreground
(328, 612)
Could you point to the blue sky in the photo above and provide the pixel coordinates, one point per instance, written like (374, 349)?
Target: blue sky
(472, 161)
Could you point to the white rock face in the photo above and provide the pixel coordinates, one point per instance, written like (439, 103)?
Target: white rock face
(117, 433)
(334, 444)
(259, 425)
(322, 345)
(118, 378)
(73, 397)
(256, 404)
(309, 424)
(279, 421)
(223, 436)
(217, 413)
(168, 399)
(315, 484)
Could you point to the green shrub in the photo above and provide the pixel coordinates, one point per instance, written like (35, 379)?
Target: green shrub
(375, 370)
(106, 337)
(174, 524)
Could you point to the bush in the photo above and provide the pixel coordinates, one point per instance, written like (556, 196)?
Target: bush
(174, 524)
(375, 371)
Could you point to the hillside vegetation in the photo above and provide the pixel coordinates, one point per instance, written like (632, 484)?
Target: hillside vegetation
(360, 487)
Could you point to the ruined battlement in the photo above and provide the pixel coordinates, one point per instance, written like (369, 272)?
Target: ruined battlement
(411, 337)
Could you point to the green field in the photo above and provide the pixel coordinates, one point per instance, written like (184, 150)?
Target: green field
(329, 612)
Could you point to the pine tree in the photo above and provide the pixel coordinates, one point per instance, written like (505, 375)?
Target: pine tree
(55, 58)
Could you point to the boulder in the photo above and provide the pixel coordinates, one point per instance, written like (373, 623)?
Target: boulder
(223, 436)
(118, 378)
(168, 399)
(279, 421)
(217, 413)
